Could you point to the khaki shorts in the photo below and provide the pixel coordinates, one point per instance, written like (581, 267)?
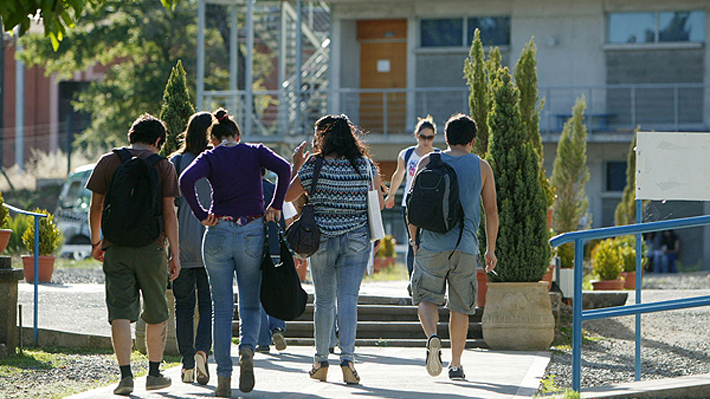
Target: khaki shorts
(129, 270)
(432, 272)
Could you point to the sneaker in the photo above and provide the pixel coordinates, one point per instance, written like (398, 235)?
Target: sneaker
(262, 349)
(246, 370)
(188, 376)
(125, 387)
(201, 370)
(433, 356)
(159, 382)
(456, 373)
(279, 340)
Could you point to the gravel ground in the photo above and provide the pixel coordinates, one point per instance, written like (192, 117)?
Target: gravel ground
(674, 343)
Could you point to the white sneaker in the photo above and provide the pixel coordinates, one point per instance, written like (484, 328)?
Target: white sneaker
(188, 376)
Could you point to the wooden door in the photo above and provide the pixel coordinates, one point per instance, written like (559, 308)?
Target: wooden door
(383, 65)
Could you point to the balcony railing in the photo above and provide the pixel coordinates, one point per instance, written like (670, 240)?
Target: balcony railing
(610, 108)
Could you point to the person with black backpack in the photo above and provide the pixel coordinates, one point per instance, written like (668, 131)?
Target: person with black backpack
(132, 205)
(443, 211)
(407, 161)
(192, 286)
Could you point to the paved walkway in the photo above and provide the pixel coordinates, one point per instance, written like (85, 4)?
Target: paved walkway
(388, 372)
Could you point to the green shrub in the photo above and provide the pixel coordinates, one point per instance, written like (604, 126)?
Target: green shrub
(566, 254)
(386, 249)
(606, 260)
(4, 213)
(18, 224)
(49, 235)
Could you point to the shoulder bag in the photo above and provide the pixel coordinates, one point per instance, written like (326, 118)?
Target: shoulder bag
(303, 235)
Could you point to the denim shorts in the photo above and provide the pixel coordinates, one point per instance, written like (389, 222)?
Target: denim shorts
(433, 271)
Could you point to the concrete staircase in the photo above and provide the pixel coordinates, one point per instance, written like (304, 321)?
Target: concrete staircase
(382, 321)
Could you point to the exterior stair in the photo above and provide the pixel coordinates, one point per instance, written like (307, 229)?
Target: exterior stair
(382, 321)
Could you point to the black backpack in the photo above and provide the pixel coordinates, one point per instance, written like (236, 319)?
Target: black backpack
(132, 214)
(433, 200)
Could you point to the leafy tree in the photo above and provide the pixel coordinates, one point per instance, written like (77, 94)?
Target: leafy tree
(625, 212)
(177, 108)
(522, 247)
(56, 16)
(140, 42)
(569, 177)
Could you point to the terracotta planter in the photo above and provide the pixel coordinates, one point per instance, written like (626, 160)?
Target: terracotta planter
(548, 276)
(482, 278)
(45, 264)
(383, 263)
(518, 317)
(629, 280)
(4, 238)
(608, 285)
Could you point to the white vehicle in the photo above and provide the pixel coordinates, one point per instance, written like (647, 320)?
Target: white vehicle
(72, 214)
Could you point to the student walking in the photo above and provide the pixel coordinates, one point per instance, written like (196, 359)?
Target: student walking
(133, 191)
(234, 239)
(194, 345)
(407, 160)
(443, 260)
(340, 203)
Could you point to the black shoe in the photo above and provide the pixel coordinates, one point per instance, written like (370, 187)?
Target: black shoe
(456, 373)
(262, 349)
(125, 387)
(433, 356)
(159, 382)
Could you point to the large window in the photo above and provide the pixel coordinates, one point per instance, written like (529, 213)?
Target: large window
(656, 27)
(615, 175)
(458, 32)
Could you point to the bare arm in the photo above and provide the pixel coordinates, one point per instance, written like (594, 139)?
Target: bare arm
(95, 209)
(490, 207)
(397, 178)
(298, 158)
(171, 231)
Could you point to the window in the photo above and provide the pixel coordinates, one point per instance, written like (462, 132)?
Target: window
(615, 175)
(655, 27)
(449, 32)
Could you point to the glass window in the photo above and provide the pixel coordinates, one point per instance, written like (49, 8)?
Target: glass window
(442, 32)
(632, 27)
(681, 26)
(495, 31)
(615, 175)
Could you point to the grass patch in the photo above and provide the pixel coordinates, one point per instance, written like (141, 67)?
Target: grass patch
(392, 273)
(66, 263)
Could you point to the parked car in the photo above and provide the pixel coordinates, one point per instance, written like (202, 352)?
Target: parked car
(72, 214)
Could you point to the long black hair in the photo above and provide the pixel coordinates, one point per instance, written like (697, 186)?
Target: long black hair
(336, 135)
(194, 138)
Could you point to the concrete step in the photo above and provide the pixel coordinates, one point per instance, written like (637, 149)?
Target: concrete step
(376, 330)
(408, 343)
(367, 300)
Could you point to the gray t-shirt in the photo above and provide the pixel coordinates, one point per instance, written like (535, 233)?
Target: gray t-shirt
(468, 172)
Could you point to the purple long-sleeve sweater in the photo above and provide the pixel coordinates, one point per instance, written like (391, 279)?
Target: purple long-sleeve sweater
(235, 176)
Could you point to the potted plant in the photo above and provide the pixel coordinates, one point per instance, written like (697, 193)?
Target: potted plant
(518, 313)
(627, 252)
(606, 264)
(385, 255)
(49, 239)
(4, 232)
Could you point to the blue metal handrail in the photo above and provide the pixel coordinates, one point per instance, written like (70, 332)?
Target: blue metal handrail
(36, 261)
(578, 315)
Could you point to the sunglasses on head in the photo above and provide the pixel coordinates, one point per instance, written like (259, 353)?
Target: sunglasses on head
(424, 137)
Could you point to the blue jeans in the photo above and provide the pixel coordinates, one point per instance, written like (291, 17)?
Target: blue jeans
(337, 270)
(228, 249)
(268, 325)
(189, 340)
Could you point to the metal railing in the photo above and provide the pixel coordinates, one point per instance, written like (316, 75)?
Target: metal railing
(36, 263)
(610, 108)
(578, 315)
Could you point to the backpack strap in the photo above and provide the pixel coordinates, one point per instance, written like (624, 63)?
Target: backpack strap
(435, 158)
(408, 154)
(153, 159)
(178, 163)
(123, 154)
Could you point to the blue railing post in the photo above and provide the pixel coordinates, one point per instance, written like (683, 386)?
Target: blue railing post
(577, 315)
(639, 275)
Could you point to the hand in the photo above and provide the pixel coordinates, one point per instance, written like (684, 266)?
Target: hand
(97, 252)
(299, 156)
(175, 267)
(491, 260)
(272, 215)
(389, 202)
(210, 220)
(377, 246)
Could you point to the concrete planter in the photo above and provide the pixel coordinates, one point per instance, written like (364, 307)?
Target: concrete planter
(518, 317)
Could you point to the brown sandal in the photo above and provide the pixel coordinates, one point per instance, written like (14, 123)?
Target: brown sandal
(319, 373)
(350, 376)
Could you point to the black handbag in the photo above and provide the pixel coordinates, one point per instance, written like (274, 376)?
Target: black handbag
(303, 235)
(281, 293)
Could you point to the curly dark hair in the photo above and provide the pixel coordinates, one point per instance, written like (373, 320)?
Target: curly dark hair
(336, 135)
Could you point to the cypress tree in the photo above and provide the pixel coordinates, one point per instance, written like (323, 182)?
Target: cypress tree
(569, 177)
(522, 247)
(176, 109)
(625, 212)
(475, 73)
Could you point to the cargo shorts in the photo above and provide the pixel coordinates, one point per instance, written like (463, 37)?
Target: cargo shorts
(129, 270)
(434, 272)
